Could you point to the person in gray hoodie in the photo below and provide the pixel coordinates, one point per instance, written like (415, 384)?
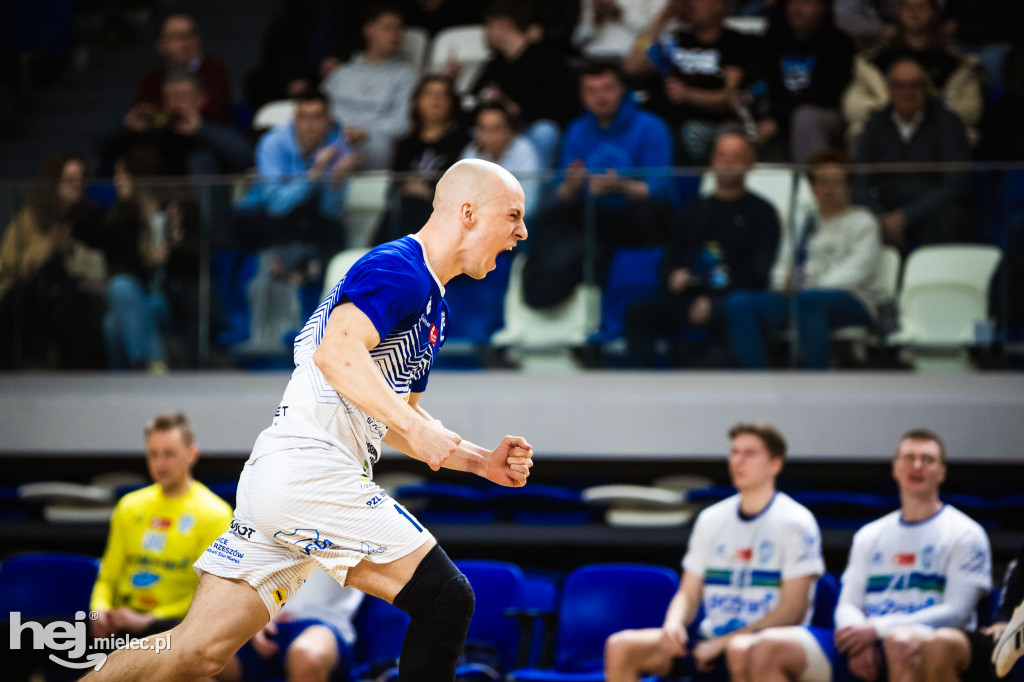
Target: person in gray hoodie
(370, 94)
(827, 274)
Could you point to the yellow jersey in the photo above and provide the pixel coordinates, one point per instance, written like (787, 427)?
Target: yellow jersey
(153, 542)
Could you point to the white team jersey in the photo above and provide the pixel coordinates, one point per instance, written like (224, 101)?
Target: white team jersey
(399, 292)
(901, 568)
(744, 561)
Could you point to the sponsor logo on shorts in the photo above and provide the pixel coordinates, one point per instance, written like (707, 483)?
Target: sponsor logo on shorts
(280, 595)
(433, 335)
(370, 548)
(377, 500)
(306, 539)
(240, 530)
(220, 548)
(371, 450)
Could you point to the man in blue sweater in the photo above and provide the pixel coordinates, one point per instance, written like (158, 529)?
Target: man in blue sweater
(301, 170)
(618, 157)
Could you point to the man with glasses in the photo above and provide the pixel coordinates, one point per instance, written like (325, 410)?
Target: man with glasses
(921, 567)
(918, 207)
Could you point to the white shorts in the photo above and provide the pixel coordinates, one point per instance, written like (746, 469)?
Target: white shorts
(299, 510)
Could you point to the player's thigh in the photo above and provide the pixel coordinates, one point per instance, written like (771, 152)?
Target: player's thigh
(386, 580)
(225, 613)
(315, 647)
(641, 649)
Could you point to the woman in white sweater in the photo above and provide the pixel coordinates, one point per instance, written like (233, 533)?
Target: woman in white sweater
(827, 274)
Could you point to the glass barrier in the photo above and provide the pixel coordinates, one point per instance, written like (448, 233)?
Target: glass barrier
(860, 268)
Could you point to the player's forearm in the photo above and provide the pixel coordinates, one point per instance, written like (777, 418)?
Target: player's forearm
(680, 610)
(351, 372)
(848, 614)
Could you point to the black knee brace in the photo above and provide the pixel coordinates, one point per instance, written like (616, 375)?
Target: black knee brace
(440, 597)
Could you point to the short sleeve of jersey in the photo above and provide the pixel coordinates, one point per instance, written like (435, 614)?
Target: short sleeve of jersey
(696, 558)
(386, 291)
(971, 559)
(802, 548)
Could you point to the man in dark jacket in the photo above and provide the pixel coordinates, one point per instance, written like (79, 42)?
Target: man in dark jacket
(807, 63)
(725, 241)
(915, 208)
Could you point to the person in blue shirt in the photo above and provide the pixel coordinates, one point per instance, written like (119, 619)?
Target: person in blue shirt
(299, 194)
(604, 154)
(306, 497)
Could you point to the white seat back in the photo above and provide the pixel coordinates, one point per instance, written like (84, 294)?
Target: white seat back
(338, 266)
(945, 294)
(273, 114)
(463, 44)
(569, 324)
(366, 199)
(414, 46)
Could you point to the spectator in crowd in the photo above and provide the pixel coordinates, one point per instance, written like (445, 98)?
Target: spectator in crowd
(701, 67)
(758, 531)
(1002, 134)
(528, 77)
(187, 142)
(370, 93)
(434, 143)
(865, 20)
(599, 152)
(807, 65)
(953, 654)
(920, 207)
(146, 579)
(988, 28)
(954, 76)
(299, 194)
(50, 284)
(827, 276)
(181, 48)
(923, 566)
(496, 139)
(310, 639)
(718, 243)
(436, 15)
(304, 42)
(608, 29)
(151, 242)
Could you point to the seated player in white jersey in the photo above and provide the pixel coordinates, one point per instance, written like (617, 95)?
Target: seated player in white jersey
(306, 497)
(753, 559)
(923, 566)
(310, 639)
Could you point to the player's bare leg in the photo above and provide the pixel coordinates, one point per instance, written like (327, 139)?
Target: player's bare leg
(630, 653)
(223, 616)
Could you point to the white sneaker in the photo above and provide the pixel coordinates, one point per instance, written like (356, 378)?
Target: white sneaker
(1010, 646)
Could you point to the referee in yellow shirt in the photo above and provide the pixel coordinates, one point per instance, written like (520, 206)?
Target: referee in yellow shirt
(146, 580)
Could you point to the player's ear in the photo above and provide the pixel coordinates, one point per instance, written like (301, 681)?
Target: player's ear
(466, 213)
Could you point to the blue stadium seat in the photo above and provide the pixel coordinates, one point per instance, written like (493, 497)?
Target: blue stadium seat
(46, 586)
(842, 509)
(446, 503)
(477, 305)
(634, 274)
(493, 637)
(381, 629)
(710, 494)
(597, 601)
(826, 597)
(541, 504)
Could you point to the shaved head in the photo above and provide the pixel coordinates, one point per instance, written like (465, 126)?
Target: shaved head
(478, 214)
(474, 181)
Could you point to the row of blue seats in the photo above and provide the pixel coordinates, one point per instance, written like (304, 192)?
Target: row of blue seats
(534, 627)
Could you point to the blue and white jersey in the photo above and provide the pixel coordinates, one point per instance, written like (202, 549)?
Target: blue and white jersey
(744, 560)
(394, 286)
(897, 568)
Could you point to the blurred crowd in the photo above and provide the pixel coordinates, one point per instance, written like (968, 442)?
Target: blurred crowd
(574, 98)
